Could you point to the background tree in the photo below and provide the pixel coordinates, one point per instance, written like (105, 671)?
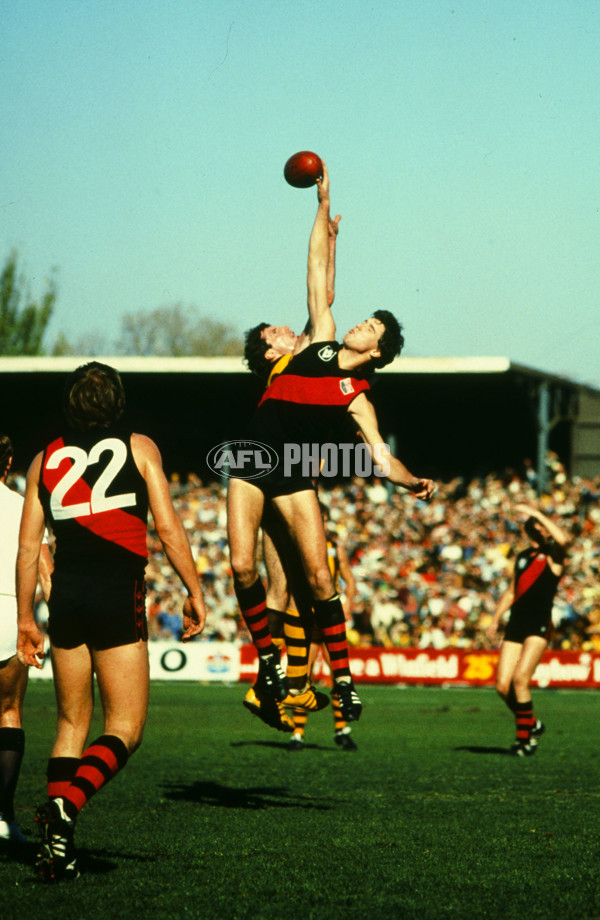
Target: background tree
(177, 332)
(23, 321)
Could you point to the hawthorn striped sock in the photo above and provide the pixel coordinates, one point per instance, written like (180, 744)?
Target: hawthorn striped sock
(338, 720)
(329, 615)
(297, 647)
(299, 716)
(99, 763)
(524, 721)
(253, 604)
(60, 772)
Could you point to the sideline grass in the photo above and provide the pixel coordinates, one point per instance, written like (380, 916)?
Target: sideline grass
(428, 820)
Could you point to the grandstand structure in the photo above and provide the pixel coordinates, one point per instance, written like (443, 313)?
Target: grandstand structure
(445, 417)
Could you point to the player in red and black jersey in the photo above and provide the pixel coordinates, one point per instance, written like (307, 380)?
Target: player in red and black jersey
(537, 572)
(321, 384)
(93, 487)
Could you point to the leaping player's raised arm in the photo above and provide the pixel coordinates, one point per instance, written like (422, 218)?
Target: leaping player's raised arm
(321, 327)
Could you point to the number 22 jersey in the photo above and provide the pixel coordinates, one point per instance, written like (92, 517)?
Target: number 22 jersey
(96, 502)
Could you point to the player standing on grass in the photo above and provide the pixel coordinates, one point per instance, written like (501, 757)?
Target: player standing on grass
(93, 486)
(13, 674)
(537, 572)
(323, 381)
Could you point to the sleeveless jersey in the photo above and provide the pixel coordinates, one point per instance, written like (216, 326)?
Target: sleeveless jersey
(308, 400)
(96, 501)
(535, 584)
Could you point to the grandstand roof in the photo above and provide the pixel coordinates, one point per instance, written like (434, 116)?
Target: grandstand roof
(235, 365)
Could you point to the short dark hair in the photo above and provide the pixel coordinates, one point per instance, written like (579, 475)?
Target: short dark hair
(391, 342)
(535, 530)
(255, 349)
(6, 453)
(93, 396)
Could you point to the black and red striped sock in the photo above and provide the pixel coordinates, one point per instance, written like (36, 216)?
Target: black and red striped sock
(253, 605)
(60, 772)
(99, 763)
(524, 721)
(329, 615)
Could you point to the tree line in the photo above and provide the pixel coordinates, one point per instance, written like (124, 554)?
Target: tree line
(175, 331)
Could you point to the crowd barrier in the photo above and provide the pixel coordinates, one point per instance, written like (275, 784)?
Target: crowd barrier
(229, 663)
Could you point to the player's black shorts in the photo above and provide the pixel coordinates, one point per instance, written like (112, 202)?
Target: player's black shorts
(523, 625)
(100, 612)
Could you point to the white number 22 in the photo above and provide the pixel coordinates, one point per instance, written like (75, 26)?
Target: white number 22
(99, 501)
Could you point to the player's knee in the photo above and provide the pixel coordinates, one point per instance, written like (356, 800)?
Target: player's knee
(321, 583)
(244, 570)
(520, 680)
(503, 688)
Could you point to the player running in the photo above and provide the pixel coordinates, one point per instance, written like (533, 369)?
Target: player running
(537, 572)
(93, 486)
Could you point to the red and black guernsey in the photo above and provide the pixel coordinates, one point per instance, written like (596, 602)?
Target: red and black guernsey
(308, 400)
(535, 585)
(96, 502)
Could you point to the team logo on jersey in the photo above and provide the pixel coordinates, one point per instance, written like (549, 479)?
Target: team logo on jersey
(327, 353)
(242, 459)
(346, 386)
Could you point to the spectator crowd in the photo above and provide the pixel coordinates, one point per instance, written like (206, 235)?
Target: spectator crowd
(427, 574)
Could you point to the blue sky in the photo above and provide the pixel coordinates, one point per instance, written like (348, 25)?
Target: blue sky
(144, 143)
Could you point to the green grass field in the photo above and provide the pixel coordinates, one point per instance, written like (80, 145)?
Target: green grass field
(429, 819)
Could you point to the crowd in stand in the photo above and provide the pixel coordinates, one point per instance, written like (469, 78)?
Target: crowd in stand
(427, 575)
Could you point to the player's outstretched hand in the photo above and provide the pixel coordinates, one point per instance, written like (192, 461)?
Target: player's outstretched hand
(323, 184)
(194, 617)
(423, 488)
(30, 647)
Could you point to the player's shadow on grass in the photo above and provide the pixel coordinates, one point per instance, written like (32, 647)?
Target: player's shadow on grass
(280, 745)
(253, 797)
(478, 749)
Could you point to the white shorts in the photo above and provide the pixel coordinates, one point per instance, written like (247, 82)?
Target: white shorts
(8, 626)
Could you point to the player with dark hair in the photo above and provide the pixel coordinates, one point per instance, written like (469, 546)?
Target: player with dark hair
(93, 485)
(13, 675)
(305, 403)
(537, 572)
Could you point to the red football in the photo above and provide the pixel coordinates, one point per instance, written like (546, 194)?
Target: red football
(303, 169)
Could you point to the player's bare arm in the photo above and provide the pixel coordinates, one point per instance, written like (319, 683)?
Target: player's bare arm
(334, 226)
(504, 604)
(170, 531)
(321, 324)
(30, 642)
(363, 413)
(559, 535)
